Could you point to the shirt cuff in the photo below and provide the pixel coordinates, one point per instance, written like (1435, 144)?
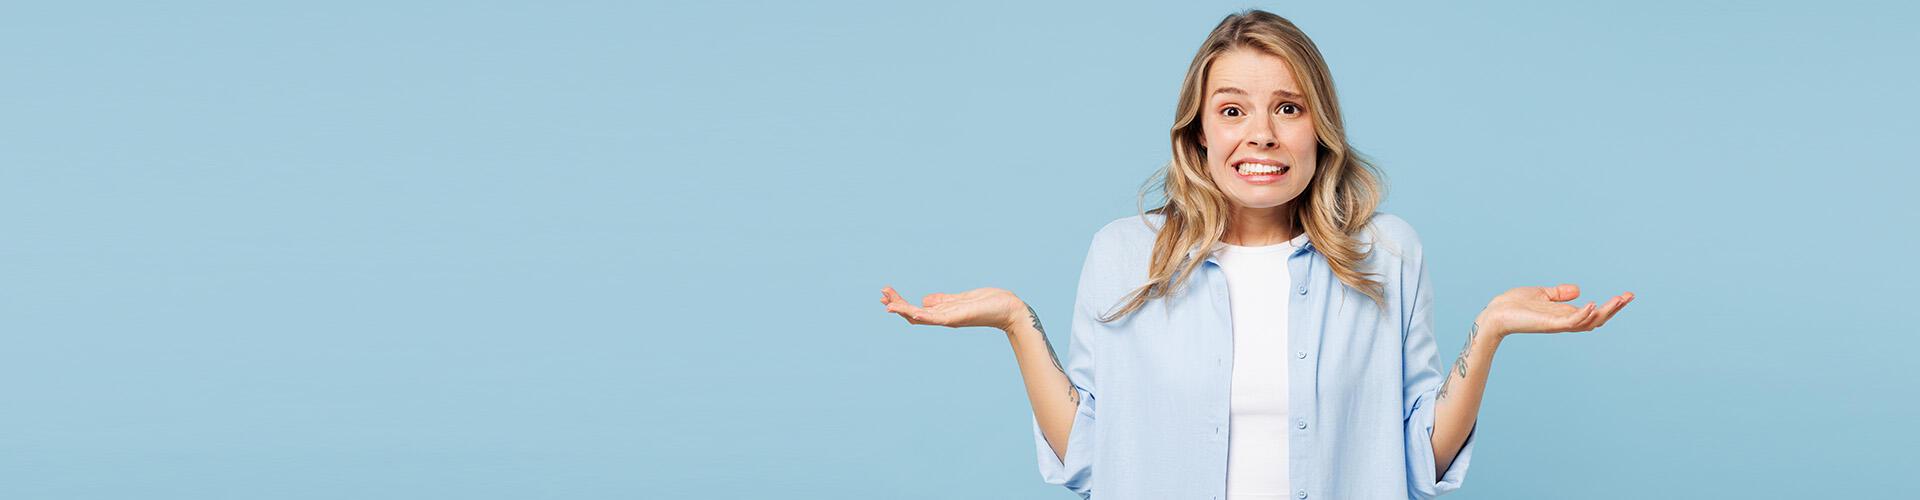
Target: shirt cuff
(1420, 464)
(1076, 471)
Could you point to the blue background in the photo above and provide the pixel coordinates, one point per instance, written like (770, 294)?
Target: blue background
(607, 250)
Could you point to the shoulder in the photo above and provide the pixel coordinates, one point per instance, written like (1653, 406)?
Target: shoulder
(1127, 240)
(1131, 229)
(1391, 238)
(1390, 229)
(1118, 256)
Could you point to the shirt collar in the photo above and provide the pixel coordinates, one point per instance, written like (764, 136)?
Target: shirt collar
(1304, 243)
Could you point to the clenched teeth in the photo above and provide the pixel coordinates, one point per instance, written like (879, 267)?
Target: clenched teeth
(1259, 168)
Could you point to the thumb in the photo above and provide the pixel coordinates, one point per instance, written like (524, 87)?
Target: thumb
(1562, 293)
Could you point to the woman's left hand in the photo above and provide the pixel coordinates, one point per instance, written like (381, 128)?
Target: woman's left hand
(1540, 309)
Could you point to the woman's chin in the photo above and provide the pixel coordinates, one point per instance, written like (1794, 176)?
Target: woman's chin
(1261, 203)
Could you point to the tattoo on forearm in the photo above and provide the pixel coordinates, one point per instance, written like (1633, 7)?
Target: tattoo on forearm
(1072, 393)
(1460, 362)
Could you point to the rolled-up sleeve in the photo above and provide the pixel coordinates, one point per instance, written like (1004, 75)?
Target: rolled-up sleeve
(1075, 470)
(1422, 380)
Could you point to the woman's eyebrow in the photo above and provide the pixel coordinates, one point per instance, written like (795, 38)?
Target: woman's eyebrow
(1286, 94)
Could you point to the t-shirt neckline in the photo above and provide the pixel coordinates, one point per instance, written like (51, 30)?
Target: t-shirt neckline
(1283, 246)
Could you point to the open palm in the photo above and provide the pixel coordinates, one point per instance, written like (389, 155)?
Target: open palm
(1542, 309)
(992, 307)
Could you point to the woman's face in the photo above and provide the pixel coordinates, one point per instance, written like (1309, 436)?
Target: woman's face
(1256, 129)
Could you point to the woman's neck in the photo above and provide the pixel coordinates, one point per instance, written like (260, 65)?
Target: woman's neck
(1255, 227)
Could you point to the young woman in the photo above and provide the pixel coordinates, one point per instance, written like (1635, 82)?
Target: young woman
(1265, 333)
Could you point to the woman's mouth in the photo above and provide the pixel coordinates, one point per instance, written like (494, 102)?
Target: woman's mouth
(1254, 172)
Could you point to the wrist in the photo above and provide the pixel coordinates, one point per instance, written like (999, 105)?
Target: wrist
(1487, 326)
(1020, 314)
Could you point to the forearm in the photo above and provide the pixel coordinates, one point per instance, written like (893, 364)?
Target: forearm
(1052, 394)
(1458, 404)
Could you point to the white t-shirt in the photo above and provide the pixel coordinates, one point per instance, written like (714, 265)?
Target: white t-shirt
(1257, 284)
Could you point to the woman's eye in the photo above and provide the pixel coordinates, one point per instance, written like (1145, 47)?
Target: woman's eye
(1231, 112)
(1289, 109)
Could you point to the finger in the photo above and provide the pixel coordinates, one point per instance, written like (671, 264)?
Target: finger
(1562, 293)
(1591, 313)
(932, 316)
(900, 306)
(1579, 317)
(1614, 307)
(894, 296)
(1592, 319)
(918, 317)
(933, 299)
(909, 313)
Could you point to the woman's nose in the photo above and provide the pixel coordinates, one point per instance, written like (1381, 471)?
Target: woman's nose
(1262, 136)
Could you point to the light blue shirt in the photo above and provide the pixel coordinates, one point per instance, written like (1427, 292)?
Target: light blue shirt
(1154, 386)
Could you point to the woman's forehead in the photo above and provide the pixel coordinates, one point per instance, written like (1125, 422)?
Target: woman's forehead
(1251, 73)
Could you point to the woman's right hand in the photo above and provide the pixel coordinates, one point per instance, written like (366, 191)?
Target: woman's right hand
(990, 307)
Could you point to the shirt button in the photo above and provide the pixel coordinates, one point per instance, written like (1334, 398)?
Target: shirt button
(1303, 289)
(1300, 424)
(1300, 354)
(1216, 430)
(1302, 494)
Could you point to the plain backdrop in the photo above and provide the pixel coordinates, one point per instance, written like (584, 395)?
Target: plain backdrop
(620, 250)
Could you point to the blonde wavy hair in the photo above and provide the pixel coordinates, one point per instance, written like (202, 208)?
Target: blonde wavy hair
(1339, 200)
